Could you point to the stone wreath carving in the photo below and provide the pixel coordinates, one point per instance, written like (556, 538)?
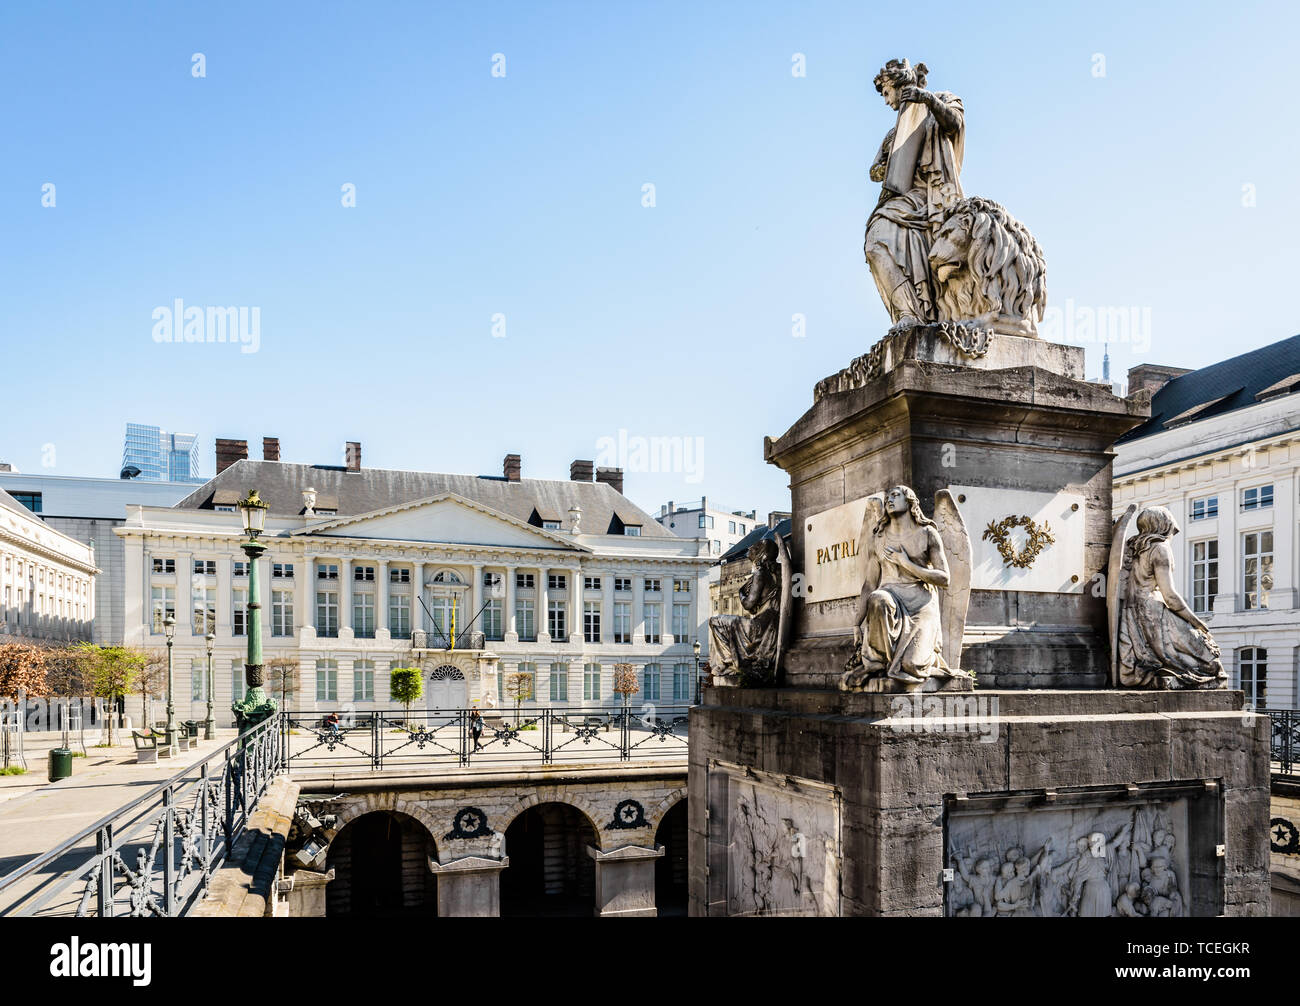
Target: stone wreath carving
(1283, 836)
(1040, 536)
(469, 822)
(629, 814)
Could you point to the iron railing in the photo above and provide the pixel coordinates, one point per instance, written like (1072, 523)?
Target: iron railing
(156, 855)
(394, 738)
(1284, 738)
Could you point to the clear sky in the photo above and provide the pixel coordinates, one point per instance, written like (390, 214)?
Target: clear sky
(1130, 138)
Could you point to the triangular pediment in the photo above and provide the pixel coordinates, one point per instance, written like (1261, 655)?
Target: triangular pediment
(444, 519)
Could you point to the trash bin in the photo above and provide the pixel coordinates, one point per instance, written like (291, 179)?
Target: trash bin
(60, 763)
(192, 728)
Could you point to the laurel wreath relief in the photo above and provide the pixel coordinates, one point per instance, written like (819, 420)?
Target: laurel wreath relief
(1040, 536)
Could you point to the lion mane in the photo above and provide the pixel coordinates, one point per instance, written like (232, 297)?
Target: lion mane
(988, 268)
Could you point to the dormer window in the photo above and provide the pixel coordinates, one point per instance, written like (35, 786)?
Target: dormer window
(550, 525)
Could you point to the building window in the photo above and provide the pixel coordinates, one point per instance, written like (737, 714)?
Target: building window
(363, 574)
(1256, 568)
(327, 613)
(550, 525)
(556, 581)
(492, 621)
(1205, 508)
(399, 616)
(1252, 675)
(717, 547)
(650, 687)
(706, 521)
(363, 615)
(524, 581)
(237, 679)
(632, 530)
(681, 586)
(399, 576)
(653, 617)
(559, 682)
(198, 679)
(205, 567)
(363, 681)
(282, 570)
(205, 610)
(681, 623)
(731, 527)
(683, 690)
(742, 530)
(327, 680)
(591, 683)
(525, 621)
(525, 685)
(622, 583)
(239, 612)
(1205, 574)
(241, 568)
(591, 621)
(622, 622)
(327, 571)
(32, 501)
(282, 612)
(1257, 497)
(652, 586)
(591, 583)
(159, 566)
(556, 623)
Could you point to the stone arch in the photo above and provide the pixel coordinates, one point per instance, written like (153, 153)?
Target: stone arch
(656, 816)
(380, 852)
(445, 671)
(554, 794)
(390, 801)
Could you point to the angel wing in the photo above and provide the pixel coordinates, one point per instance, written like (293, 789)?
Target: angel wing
(873, 515)
(787, 604)
(1114, 586)
(955, 598)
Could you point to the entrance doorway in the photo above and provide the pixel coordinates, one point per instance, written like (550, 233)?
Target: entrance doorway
(550, 872)
(448, 690)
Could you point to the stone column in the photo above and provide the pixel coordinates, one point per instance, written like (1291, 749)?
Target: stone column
(471, 887)
(417, 595)
(476, 600)
(1228, 600)
(543, 602)
(638, 608)
(575, 606)
(512, 630)
(381, 600)
(184, 595)
(225, 597)
(1283, 594)
(345, 598)
(625, 882)
(304, 596)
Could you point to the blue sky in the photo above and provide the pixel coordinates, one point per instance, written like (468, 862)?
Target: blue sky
(480, 195)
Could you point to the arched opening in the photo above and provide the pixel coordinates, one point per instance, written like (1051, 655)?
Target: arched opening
(550, 871)
(670, 868)
(381, 868)
(447, 689)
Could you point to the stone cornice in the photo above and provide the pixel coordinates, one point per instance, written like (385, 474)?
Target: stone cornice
(1191, 462)
(50, 553)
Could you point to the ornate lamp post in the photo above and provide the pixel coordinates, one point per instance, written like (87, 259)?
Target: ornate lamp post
(698, 684)
(169, 628)
(256, 705)
(209, 727)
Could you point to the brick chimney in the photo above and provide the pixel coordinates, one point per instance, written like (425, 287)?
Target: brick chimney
(352, 456)
(230, 451)
(611, 477)
(581, 471)
(1152, 377)
(512, 467)
(270, 448)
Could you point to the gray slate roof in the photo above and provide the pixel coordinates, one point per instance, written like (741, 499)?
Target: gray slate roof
(281, 483)
(1222, 387)
(762, 531)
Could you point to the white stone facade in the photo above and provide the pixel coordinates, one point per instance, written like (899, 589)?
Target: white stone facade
(47, 580)
(353, 592)
(1231, 482)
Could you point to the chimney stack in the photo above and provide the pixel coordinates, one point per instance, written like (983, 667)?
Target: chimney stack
(353, 456)
(581, 471)
(1152, 376)
(270, 448)
(611, 477)
(230, 451)
(512, 467)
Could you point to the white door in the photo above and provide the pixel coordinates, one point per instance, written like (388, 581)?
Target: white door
(447, 690)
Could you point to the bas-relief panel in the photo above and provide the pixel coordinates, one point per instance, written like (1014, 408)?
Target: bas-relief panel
(1084, 861)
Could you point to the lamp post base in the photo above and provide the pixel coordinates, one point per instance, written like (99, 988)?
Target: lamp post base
(252, 709)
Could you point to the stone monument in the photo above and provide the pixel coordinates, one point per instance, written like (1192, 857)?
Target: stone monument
(995, 705)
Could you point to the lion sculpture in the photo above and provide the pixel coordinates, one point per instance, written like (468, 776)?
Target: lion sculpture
(988, 270)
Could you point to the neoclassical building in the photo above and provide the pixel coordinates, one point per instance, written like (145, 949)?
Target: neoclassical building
(473, 579)
(1222, 452)
(47, 579)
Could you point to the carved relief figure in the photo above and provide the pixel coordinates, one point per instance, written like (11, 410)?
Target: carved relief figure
(899, 625)
(745, 649)
(1161, 642)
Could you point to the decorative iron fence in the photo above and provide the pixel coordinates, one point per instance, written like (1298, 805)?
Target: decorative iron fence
(1284, 738)
(393, 738)
(156, 855)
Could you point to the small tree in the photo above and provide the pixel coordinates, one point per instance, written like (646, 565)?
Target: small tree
(22, 673)
(406, 685)
(111, 671)
(625, 682)
(283, 675)
(519, 689)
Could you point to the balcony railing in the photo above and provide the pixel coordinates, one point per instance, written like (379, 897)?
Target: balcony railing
(1284, 739)
(437, 639)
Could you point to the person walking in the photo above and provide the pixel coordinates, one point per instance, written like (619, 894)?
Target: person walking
(476, 727)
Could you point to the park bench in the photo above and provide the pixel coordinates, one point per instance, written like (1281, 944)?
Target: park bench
(146, 747)
(585, 722)
(160, 742)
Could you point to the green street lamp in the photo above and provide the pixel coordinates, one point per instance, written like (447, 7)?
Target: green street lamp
(169, 629)
(209, 727)
(256, 705)
(699, 685)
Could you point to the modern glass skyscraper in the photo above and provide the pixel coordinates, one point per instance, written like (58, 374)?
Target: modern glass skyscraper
(161, 456)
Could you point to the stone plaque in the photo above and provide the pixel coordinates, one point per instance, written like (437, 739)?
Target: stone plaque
(782, 842)
(1024, 540)
(832, 563)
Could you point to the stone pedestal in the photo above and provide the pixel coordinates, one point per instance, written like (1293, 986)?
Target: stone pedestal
(305, 898)
(625, 881)
(1018, 421)
(469, 888)
(813, 802)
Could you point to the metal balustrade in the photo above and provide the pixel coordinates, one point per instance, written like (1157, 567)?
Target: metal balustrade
(1284, 738)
